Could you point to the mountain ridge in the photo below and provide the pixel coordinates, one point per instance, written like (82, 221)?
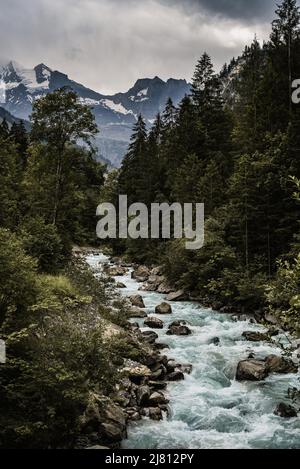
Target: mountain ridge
(115, 114)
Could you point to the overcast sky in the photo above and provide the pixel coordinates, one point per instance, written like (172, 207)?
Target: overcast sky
(108, 44)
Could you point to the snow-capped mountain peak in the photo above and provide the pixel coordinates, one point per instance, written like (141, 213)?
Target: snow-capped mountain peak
(115, 115)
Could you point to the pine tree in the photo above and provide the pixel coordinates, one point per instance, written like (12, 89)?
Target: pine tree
(4, 129)
(20, 137)
(130, 180)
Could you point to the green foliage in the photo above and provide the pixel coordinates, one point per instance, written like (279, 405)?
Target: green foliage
(283, 294)
(42, 241)
(17, 280)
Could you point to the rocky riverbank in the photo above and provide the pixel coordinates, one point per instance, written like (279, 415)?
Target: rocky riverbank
(141, 389)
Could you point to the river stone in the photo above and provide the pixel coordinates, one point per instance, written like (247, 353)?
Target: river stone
(253, 336)
(154, 323)
(141, 274)
(150, 336)
(120, 285)
(186, 368)
(156, 271)
(137, 313)
(161, 346)
(116, 271)
(164, 288)
(215, 341)
(143, 394)
(137, 300)
(156, 399)
(277, 364)
(154, 413)
(175, 376)
(285, 411)
(163, 308)
(179, 330)
(251, 370)
(148, 287)
(157, 385)
(176, 296)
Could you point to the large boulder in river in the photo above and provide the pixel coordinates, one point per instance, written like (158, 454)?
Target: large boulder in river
(137, 300)
(156, 399)
(285, 411)
(143, 394)
(141, 274)
(150, 337)
(277, 364)
(137, 313)
(175, 376)
(251, 370)
(154, 323)
(253, 336)
(117, 271)
(163, 308)
(179, 295)
(179, 328)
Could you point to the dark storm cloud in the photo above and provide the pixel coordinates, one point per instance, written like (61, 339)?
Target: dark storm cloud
(235, 9)
(108, 44)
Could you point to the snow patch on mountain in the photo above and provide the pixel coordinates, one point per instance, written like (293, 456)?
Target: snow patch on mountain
(116, 107)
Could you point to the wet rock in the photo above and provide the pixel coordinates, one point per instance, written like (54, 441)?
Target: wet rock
(285, 411)
(253, 336)
(154, 323)
(116, 271)
(171, 365)
(156, 271)
(163, 308)
(148, 287)
(123, 398)
(175, 376)
(157, 399)
(137, 313)
(277, 364)
(251, 370)
(155, 280)
(141, 273)
(160, 346)
(137, 300)
(143, 395)
(180, 330)
(164, 288)
(120, 285)
(150, 336)
(154, 413)
(215, 341)
(157, 385)
(179, 295)
(186, 368)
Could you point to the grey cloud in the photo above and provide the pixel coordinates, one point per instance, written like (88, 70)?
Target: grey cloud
(235, 9)
(108, 44)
